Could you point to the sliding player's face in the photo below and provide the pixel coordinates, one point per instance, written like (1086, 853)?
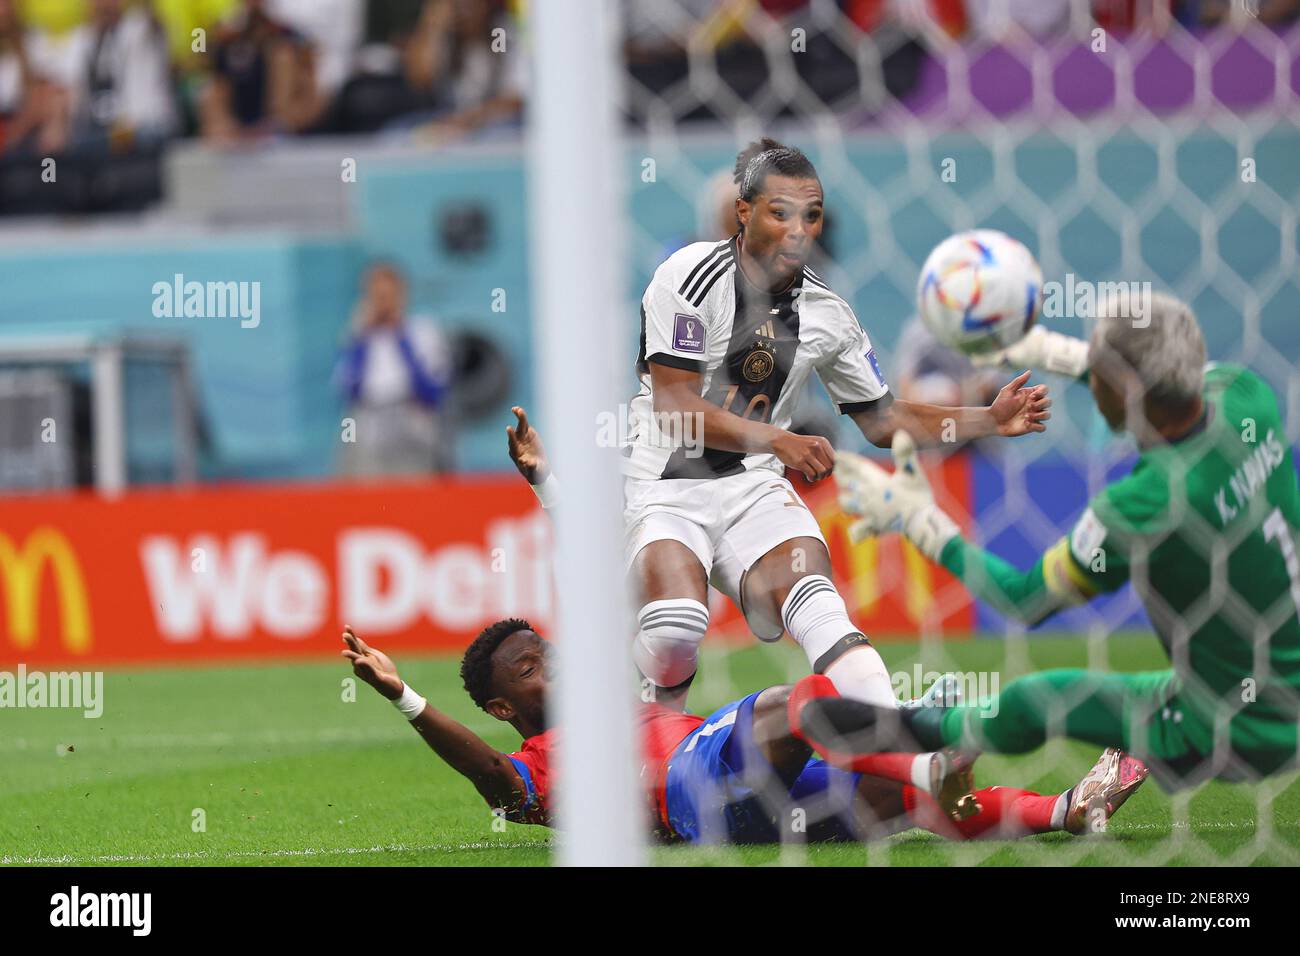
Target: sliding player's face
(782, 226)
(521, 674)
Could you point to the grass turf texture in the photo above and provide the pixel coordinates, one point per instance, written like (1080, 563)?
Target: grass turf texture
(288, 773)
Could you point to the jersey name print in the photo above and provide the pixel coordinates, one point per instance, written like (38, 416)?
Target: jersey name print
(753, 351)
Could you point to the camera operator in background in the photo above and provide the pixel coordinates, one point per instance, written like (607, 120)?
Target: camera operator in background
(394, 373)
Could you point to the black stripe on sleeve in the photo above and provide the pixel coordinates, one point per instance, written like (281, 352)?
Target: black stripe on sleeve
(719, 248)
(717, 274)
(814, 279)
(709, 276)
(676, 361)
(877, 405)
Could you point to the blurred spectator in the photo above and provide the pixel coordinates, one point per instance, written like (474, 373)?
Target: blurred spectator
(1214, 12)
(716, 208)
(263, 79)
(742, 36)
(333, 27)
(929, 371)
(378, 91)
(180, 18)
(394, 374)
(28, 104)
(123, 89)
(1003, 19)
(106, 82)
(467, 56)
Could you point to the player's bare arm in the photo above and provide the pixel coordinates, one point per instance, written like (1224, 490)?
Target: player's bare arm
(491, 772)
(677, 392)
(1019, 409)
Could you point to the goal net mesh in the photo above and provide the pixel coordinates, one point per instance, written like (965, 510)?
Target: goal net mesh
(1122, 147)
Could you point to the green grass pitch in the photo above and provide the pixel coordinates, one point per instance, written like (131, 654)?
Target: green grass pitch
(286, 772)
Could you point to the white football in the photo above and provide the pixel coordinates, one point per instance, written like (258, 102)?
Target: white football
(979, 291)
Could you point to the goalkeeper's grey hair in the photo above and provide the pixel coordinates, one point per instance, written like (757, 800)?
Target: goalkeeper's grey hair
(1166, 352)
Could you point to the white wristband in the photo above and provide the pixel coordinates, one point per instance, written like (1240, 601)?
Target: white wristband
(548, 492)
(410, 703)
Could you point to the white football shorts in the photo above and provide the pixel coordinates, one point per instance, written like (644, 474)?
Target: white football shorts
(728, 523)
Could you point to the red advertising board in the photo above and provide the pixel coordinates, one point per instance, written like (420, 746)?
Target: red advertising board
(260, 571)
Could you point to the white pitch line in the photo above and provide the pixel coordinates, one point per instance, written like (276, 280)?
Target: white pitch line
(259, 854)
(326, 735)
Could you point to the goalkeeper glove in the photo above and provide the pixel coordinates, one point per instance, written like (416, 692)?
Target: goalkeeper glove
(1044, 350)
(900, 502)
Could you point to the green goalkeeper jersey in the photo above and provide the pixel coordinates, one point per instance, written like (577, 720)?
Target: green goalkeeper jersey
(1206, 529)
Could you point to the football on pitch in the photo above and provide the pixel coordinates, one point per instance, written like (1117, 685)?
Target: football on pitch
(979, 291)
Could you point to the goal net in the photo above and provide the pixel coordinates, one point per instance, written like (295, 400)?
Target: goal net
(1122, 146)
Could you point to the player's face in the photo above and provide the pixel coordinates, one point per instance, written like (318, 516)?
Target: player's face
(1110, 400)
(782, 225)
(387, 296)
(521, 674)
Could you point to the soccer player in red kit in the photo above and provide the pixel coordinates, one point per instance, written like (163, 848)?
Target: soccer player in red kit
(734, 776)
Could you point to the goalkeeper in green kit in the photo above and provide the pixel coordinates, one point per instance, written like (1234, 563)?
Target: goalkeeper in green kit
(1205, 527)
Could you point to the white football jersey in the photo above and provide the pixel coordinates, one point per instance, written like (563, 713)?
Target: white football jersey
(754, 351)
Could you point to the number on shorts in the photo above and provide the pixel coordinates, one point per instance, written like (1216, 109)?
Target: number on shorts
(794, 501)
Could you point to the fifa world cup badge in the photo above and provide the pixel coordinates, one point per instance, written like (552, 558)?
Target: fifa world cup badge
(688, 333)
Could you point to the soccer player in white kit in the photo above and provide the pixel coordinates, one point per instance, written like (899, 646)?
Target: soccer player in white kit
(730, 332)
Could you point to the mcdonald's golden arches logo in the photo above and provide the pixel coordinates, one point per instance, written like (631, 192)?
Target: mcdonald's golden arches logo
(21, 565)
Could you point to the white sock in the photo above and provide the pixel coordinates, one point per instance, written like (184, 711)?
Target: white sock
(1059, 810)
(860, 673)
(815, 616)
(921, 772)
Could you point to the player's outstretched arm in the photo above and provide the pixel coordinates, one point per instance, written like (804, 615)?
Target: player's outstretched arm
(491, 771)
(1043, 350)
(1019, 409)
(904, 502)
(677, 395)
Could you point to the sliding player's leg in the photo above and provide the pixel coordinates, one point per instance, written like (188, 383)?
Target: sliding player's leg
(826, 802)
(942, 776)
(672, 586)
(1009, 813)
(867, 738)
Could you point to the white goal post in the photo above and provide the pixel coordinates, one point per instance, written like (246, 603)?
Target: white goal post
(576, 265)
